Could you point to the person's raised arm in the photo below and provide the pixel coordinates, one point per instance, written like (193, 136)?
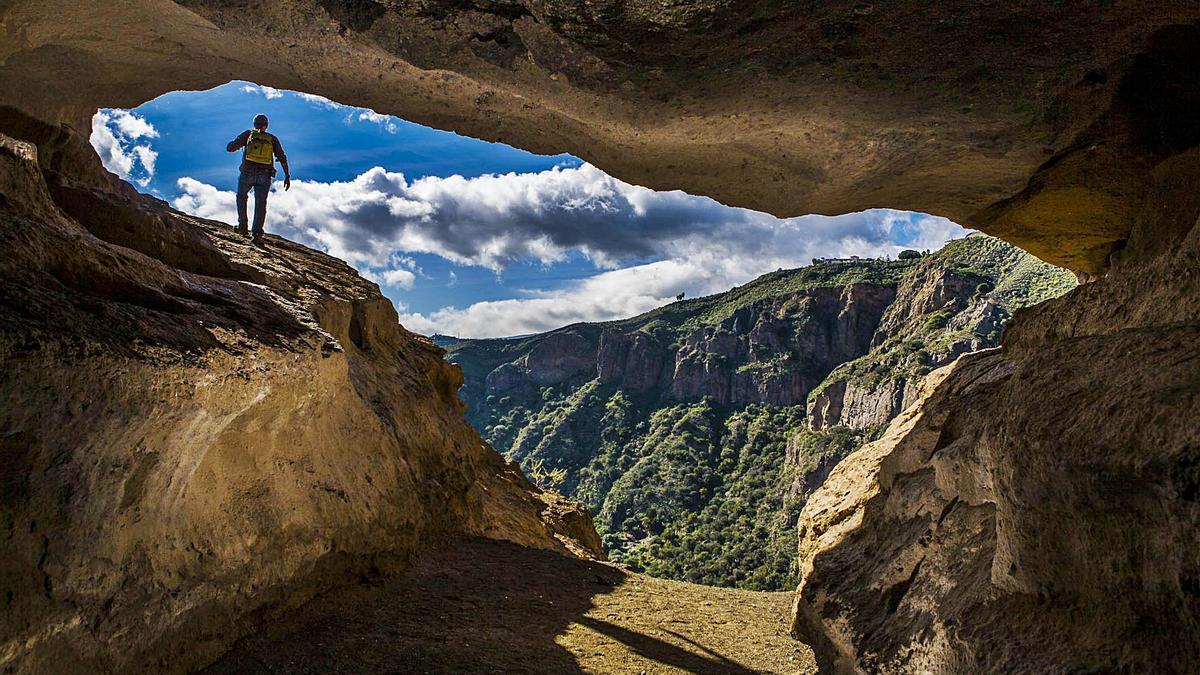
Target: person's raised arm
(239, 142)
(287, 174)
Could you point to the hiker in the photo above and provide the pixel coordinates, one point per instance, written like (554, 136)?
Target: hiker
(257, 170)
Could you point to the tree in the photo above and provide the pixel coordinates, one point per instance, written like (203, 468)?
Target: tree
(908, 254)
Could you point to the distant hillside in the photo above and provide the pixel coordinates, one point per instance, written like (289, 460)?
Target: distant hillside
(695, 431)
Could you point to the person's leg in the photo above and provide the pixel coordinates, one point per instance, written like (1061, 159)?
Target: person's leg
(262, 187)
(243, 192)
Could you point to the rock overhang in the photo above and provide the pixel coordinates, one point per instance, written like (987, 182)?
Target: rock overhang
(1037, 124)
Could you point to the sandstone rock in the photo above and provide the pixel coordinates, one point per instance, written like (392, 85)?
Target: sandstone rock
(198, 434)
(1037, 510)
(948, 109)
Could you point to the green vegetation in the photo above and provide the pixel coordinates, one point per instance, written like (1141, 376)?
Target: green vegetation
(689, 491)
(1000, 273)
(1022, 280)
(745, 534)
(706, 493)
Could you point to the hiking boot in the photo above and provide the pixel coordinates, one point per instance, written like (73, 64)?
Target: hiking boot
(243, 232)
(258, 241)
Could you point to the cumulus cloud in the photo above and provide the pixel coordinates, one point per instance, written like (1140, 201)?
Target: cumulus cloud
(122, 139)
(386, 121)
(320, 101)
(626, 292)
(696, 244)
(399, 278)
(269, 92)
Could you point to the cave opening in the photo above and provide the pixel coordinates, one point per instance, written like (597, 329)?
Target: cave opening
(474, 240)
(1032, 507)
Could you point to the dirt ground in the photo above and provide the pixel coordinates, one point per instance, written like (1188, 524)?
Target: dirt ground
(483, 606)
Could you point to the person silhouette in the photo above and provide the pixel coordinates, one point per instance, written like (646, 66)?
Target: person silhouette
(260, 151)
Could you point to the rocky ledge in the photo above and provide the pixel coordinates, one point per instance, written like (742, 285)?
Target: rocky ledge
(197, 434)
(1039, 509)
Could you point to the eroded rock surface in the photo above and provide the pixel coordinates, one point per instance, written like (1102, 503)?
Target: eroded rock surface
(1036, 122)
(1038, 511)
(198, 434)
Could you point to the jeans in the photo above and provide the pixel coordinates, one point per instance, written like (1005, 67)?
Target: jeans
(261, 182)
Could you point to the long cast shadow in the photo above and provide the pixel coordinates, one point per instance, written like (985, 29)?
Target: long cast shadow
(666, 653)
(480, 606)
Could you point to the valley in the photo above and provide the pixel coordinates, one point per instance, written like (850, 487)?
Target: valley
(695, 432)
(212, 455)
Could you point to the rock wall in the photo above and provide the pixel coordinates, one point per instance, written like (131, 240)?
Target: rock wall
(772, 351)
(953, 302)
(856, 404)
(633, 361)
(197, 434)
(775, 352)
(1038, 510)
(1043, 137)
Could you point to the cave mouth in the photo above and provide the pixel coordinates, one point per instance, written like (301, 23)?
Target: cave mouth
(474, 238)
(479, 239)
(1039, 123)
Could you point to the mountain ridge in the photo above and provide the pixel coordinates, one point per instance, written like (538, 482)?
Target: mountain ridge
(732, 407)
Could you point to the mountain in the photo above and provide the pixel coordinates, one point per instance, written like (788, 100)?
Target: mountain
(695, 431)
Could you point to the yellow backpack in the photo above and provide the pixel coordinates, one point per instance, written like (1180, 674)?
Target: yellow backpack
(259, 148)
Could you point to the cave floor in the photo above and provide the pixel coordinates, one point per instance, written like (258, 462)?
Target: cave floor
(483, 606)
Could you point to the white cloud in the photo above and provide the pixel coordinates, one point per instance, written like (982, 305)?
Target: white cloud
(269, 92)
(385, 121)
(492, 221)
(627, 292)
(320, 101)
(399, 278)
(122, 139)
(146, 157)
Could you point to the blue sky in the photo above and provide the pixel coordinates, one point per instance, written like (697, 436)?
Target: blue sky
(469, 237)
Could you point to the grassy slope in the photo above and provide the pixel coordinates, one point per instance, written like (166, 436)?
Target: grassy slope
(1017, 279)
(688, 490)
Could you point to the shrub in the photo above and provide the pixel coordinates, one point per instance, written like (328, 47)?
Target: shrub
(938, 319)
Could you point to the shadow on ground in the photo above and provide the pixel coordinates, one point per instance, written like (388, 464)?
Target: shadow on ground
(484, 606)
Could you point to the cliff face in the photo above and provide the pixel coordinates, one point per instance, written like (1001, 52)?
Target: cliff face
(956, 301)
(197, 433)
(776, 352)
(1037, 511)
(670, 423)
(772, 350)
(1067, 128)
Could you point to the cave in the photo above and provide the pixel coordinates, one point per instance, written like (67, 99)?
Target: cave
(1036, 510)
